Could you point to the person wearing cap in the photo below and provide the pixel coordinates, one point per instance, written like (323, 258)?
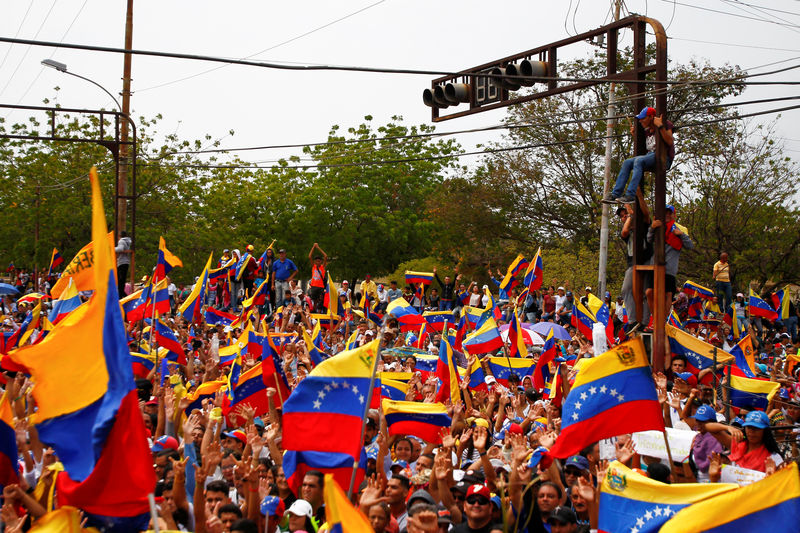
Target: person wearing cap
(575, 466)
(722, 279)
(585, 298)
(753, 448)
(369, 288)
(635, 167)
(477, 509)
(564, 312)
(285, 270)
(704, 443)
(319, 266)
(675, 240)
(300, 517)
(562, 519)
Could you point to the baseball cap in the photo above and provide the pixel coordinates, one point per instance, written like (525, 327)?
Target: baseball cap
(688, 377)
(490, 380)
(670, 207)
(737, 422)
(705, 413)
(515, 428)
(401, 463)
(560, 289)
(443, 516)
(646, 112)
(300, 508)
(563, 515)
(461, 487)
(164, 442)
(578, 461)
(480, 490)
(282, 251)
(421, 494)
(588, 288)
(272, 506)
(756, 419)
(482, 422)
(345, 282)
(739, 294)
(237, 434)
(783, 394)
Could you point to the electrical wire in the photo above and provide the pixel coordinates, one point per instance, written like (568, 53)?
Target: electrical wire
(28, 49)
(24, 18)
(273, 47)
(711, 10)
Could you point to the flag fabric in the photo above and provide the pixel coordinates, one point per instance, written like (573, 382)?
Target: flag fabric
(744, 358)
(339, 465)
(166, 261)
(87, 401)
(423, 420)
(695, 308)
(66, 303)
(780, 301)
(484, 340)
(205, 391)
(408, 317)
(510, 279)
(447, 372)
(340, 514)
(414, 278)
(193, 304)
(542, 371)
(772, 503)
(750, 393)
(32, 322)
(503, 367)
(142, 364)
(516, 341)
(222, 272)
(613, 393)
(325, 411)
(553, 391)
(314, 352)
(491, 306)
(699, 354)
(166, 338)
(131, 304)
(272, 373)
(535, 272)
(473, 315)
(674, 320)
(55, 261)
(215, 317)
(737, 328)
(259, 296)
(690, 288)
(595, 310)
(759, 307)
(630, 501)
(393, 389)
(249, 389)
(80, 269)
(8, 444)
(437, 319)
(331, 300)
(241, 266)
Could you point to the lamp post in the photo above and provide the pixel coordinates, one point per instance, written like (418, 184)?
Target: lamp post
(61, 67)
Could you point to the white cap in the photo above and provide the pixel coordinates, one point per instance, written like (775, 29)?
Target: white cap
(489, 380)
(560, 289)
(300, 508)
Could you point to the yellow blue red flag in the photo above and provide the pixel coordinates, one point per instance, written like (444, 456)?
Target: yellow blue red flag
(340, 514)
(423, 420)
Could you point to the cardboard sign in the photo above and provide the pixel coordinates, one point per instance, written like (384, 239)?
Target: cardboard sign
(651, 443)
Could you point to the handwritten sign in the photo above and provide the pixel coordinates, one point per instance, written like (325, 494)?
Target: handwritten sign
(740, 476)
(651, 443)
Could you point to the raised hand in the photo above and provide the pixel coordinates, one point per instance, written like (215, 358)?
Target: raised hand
(448, 440)
(661, 380)
(372, 494)
(715, 467)
(624, 452)
(479, 440)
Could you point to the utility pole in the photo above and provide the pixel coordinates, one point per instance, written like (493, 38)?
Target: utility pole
(124, 159)
(611, 122)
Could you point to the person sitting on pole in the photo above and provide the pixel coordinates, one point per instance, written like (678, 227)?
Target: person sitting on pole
(635, 167)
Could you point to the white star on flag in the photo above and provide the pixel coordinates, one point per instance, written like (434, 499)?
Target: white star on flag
(317, 404)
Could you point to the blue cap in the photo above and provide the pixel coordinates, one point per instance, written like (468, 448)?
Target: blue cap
(705, 413)
(762, 368)
(783, 394)
(401, 463)
(496, 500)
(645, 112)
(372, 453)
(737, 421)
(756, 419)
(272, 506)
(578, 461)
(670, 207)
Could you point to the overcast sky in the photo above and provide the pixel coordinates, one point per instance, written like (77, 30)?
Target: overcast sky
(265, 106)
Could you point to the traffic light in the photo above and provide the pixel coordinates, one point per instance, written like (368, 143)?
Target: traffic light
(486, 84)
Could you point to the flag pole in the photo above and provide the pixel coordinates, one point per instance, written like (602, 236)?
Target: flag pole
(153, 512)
(275, 374)
(669, 452)
(356, 460)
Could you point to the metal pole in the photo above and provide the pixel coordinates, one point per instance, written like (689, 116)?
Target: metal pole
(122, 180)
(610, 124)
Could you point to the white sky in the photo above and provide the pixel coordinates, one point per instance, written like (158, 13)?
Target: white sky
(266, 106)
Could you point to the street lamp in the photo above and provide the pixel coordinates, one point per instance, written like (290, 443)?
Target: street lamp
(61, 67)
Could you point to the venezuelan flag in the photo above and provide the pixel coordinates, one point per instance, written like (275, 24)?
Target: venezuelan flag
(340, 514)
(166, 338)
(331, 299)
(214, 317)
(630, 501)
(502, 368)
(55, 261)
(759, 307)
(204, 391)
(614, 393)
(749, 393)
(314, 352)
(595, 310)
(516, 342)
(473, 315)
(744, 359)
(674, 320)
(166, 261)
(553, 391)
(142, 364)
(517, 265)
(541, 373)
(325, 410)
(476, 376)
(339, 465)
(780, 301)
(8, 444)
(272, 373)
(484, 340)
(66, 303)
(248, 390)
(490, 307)
(690, 288)
(221, 273)
(447, 373)
(535, 272)
(193, 304)
(228, 354)
(695, 309)
(772, 503)
(407, 316)
(80, 269)
(413, 278)
(698, 353)
(437, 319)
(259, 296)
(463, 298)
(423, 420)
(392, 388)
(131, 302)
(87, 401)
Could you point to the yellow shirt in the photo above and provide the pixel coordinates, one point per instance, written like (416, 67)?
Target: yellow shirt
(722, 271)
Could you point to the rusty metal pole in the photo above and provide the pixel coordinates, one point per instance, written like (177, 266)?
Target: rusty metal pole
(123, 161)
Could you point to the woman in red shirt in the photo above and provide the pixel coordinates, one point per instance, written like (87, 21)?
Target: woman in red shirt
(753, 448)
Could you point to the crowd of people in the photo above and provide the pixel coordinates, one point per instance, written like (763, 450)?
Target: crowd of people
(221, 465)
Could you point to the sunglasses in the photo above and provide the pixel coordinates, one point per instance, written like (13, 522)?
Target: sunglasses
(477, 500)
